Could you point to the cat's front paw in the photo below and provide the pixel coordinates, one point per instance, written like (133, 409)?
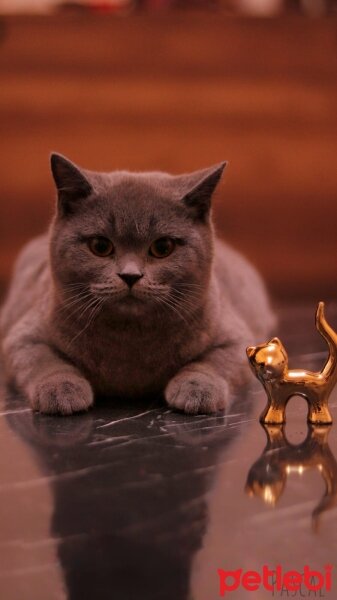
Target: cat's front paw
(62, 394)
(197, 393)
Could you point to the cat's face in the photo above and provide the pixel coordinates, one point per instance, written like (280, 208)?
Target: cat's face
(134, 240)
(268, 360)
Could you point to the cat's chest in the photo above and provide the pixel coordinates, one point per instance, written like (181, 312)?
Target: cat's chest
(133, 362)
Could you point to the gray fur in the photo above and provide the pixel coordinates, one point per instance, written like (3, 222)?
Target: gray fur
(71, 327)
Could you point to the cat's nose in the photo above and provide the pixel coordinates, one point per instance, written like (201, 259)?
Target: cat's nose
(130, 278)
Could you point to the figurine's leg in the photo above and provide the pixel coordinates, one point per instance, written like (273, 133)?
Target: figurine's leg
(319, 413)
(276, 438)
(319, 436)
(274, 413)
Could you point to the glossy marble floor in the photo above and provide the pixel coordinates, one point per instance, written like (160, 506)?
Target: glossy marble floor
(136, 502)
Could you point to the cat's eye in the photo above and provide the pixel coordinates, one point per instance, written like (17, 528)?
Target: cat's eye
(162, 247)
(101, 246)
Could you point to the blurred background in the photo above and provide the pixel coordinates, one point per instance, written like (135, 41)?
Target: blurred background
(177, 86)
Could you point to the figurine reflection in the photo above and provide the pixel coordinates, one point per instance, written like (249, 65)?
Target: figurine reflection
(268, 475)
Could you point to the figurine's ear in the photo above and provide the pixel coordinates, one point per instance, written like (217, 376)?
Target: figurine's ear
(199, 187)
(250, 351)
(275, 340)
(71, 183)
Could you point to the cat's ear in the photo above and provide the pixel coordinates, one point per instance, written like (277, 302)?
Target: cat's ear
(200, 187)
(275, 340)
(70, 181)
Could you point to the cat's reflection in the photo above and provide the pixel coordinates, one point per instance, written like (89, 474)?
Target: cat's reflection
(267, 477)
(126, 491)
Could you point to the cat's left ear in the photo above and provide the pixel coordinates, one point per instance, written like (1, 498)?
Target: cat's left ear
(202, 185)
(71, 183)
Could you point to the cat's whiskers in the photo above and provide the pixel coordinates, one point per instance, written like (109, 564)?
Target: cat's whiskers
(188, 294)
(107, 291)
(167, 302)
(189, 311)
(188, 290)
(74, 284)
(190, 298)
(96, 287)
(185, 309)
(90, 304)
(110, 292)
(84, 299)
(162, 302)
(153, 287)
(74, 297)
(74, 303)
(187, 306)
(72, 288)
(95, 309)
(190, 285)
(175, 299)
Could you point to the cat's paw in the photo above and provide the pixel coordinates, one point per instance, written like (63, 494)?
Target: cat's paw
(197, 393)
(62, 394)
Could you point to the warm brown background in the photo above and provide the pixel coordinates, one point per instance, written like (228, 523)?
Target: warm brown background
(179, 92)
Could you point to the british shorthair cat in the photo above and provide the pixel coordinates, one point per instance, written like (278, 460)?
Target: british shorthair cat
(130, 294)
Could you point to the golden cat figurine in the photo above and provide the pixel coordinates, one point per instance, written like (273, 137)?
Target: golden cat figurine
(269, 362)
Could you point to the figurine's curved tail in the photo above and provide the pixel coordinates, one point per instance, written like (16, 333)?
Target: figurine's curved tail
(330, 337)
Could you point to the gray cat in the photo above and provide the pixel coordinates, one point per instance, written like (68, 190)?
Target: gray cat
(131, 294)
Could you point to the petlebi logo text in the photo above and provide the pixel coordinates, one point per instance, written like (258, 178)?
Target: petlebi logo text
(309, 583)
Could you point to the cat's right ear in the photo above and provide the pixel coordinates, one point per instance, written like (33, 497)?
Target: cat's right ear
(71, 183)
(200, 187)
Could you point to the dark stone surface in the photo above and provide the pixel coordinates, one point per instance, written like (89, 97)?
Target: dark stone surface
(138, 502)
